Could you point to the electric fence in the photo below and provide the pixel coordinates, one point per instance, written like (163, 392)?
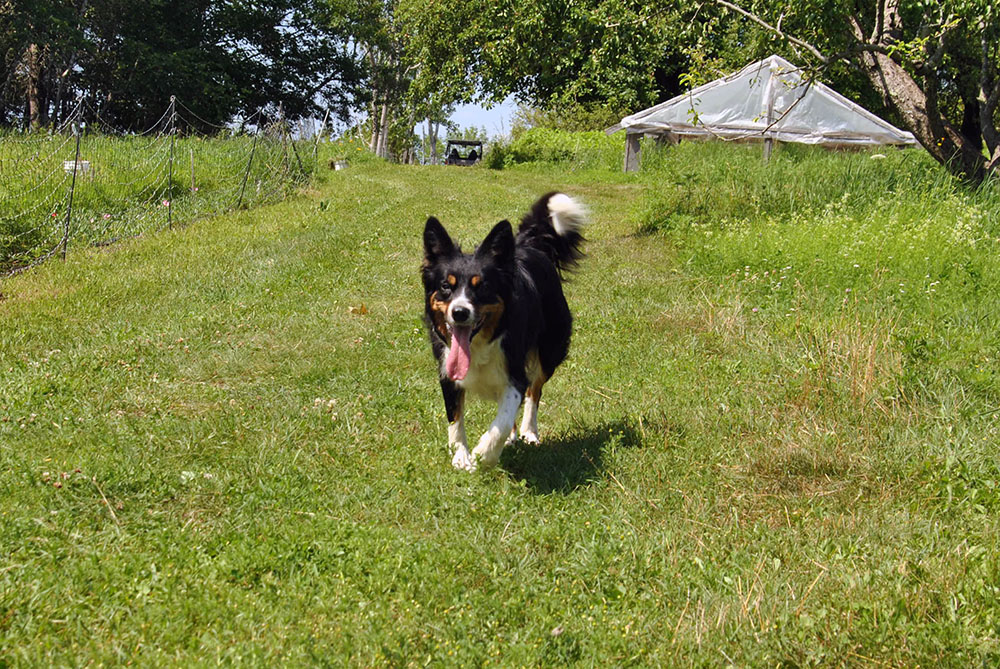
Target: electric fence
(88, 183)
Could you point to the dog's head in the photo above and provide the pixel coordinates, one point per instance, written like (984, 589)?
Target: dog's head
(466, 292)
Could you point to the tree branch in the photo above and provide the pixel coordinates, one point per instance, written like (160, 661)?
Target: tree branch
(774, 29)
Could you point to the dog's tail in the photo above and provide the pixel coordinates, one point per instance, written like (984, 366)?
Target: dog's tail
(553, 227)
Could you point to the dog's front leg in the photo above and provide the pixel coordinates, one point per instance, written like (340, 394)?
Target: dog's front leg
(487, 451)
(454, 405)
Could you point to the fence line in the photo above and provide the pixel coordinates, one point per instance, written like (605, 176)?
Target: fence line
(89, 183)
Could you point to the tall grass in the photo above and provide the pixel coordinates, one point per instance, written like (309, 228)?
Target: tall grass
(589, 150)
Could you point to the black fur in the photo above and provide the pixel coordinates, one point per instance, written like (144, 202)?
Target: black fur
(519, 278)
(536, 231)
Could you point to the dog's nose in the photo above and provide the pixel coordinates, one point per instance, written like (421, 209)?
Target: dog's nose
(461, 314)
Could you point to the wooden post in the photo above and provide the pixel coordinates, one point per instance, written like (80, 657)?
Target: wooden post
(632, 151)
(768, 148)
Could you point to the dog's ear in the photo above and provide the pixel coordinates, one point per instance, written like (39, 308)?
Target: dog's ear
(437, 243)
(499, 244)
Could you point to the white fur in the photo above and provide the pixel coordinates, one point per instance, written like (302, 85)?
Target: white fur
(457, 440)
(529, 422)
(460, 300)
(567, 214)
(487, 378)
(487, 375)
(487, 451)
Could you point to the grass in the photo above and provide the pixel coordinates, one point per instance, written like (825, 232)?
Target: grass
(134, 185)
(225, 443)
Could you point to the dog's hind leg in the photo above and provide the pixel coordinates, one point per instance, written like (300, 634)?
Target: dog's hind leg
(529, 421)
(454, 404)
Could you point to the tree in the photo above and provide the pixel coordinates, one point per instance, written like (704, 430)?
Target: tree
(38, 42)
(128, 57)
(935, 64)
(437, 56)
(588, 55)
(380, 50)
(549, 54)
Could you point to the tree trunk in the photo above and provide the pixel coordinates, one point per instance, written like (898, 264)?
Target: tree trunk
(922, 118)
(432, 137)
(383, 139)
(33, 66)
(373, 143)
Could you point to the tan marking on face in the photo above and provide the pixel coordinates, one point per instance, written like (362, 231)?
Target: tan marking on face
(452, 280)
(491, 318)
(439, 313)
(476, 280)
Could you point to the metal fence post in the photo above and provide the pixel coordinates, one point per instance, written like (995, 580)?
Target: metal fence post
(72, 188)
(319, 136)
(291, 142)
(170, 173)
(246, 175)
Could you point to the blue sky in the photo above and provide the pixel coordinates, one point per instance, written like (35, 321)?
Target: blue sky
(495, 120)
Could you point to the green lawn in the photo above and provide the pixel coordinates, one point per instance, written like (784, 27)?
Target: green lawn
(773, 444)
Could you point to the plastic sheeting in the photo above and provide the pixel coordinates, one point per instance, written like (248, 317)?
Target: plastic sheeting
(768, 99)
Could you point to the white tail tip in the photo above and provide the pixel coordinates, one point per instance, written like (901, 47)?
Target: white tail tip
(567, 214)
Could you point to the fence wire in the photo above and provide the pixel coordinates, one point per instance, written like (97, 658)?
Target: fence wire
(88, 183)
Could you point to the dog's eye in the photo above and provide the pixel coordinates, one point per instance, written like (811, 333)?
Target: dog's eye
(445, 287)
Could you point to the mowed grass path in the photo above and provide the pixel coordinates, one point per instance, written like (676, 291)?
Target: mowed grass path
(225, 444)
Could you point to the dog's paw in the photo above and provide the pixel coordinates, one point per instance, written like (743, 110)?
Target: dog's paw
(487, 451)
(463, 459)
(530, 438)
(511, 439)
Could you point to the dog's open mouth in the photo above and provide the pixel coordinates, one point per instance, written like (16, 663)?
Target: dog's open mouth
(456, 365)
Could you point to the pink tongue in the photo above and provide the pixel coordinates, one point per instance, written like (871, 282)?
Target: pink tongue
(457, 363)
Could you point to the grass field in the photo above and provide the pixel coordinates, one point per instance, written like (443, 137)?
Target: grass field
(774, 443)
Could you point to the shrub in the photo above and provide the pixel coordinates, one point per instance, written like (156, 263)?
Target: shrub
(572, 118)
(592, 149)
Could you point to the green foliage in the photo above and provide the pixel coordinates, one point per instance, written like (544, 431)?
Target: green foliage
(801, 180)
(595, 52)
(127, 59)
(496, 155)
(350, 148)
(570, 117)
(890, 234)
(543, 145)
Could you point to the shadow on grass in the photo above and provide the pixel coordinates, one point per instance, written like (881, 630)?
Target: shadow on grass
(569, 461)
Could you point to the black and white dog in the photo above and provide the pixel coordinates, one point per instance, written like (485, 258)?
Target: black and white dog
(499, 323)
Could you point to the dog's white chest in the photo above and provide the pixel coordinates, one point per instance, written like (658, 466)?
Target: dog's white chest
(487, 375)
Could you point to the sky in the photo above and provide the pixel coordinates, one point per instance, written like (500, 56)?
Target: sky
(495, 120)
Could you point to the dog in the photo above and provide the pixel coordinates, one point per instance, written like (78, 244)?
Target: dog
(498, 321)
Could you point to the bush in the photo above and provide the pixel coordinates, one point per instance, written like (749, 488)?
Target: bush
(592, 149)
(572, 118)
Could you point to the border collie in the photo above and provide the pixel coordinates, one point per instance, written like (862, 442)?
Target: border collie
(499, 323)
